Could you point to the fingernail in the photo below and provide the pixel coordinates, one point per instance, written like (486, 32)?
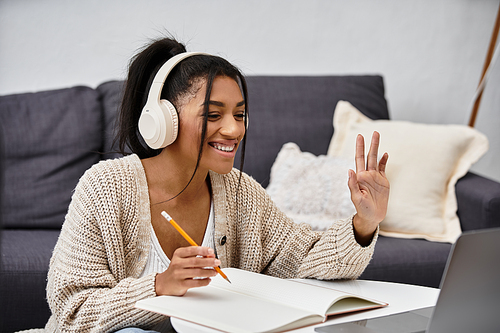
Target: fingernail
(217, 262)
(210, 251)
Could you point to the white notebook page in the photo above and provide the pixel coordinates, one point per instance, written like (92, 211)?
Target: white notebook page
(227, 311)
(291, 293)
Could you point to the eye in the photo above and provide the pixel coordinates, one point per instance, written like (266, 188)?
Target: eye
(212, 116)
(240, 116)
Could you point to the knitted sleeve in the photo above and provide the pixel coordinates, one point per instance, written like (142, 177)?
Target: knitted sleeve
(91, 284)
(270, 242)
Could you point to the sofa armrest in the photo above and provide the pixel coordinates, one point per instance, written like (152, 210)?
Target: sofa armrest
(478, 201)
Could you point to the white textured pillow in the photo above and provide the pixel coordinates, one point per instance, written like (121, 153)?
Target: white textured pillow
(311, 189)
(425, 161)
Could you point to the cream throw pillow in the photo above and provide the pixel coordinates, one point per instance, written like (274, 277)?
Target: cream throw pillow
(425, 161)
(311, 189)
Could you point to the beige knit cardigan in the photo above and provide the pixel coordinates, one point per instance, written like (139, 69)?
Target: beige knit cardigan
(93, 279)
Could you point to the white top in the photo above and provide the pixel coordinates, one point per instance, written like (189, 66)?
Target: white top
(158, 261)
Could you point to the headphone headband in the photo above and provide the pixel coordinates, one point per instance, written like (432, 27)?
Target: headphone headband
(162, 74)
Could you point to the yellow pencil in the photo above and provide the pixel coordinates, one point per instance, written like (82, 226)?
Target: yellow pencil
(189, 239)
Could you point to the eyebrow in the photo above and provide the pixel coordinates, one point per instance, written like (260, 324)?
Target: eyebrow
(217, 103)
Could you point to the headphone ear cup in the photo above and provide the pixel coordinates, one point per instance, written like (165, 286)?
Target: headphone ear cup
(171, 122)
(158, 124)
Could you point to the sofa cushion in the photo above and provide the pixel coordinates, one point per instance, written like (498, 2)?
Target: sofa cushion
(311, 189)
(51, 138)
(300, 110)
(478, 196)
(25, 263)
(412, 261)
(425, 161)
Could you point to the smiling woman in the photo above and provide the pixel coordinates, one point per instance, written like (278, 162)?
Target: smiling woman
(183, 117)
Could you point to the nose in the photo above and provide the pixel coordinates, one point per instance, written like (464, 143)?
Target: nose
(232, 128)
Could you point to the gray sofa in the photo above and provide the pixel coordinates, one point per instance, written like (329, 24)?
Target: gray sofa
(51, 137)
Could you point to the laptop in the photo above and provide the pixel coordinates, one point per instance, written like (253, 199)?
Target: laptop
(469, 300)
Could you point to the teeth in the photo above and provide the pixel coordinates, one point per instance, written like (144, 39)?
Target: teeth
(224, 148)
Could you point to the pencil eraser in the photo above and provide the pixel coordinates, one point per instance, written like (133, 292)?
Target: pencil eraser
(165, 215)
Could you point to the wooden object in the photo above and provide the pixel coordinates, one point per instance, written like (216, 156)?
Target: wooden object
(487, 62)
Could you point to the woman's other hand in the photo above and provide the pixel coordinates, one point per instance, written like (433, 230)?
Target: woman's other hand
(187, 269)
(369, 189)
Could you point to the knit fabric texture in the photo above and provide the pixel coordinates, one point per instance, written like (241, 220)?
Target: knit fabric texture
(93, 280)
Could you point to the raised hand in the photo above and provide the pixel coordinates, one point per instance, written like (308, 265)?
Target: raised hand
(369, 189)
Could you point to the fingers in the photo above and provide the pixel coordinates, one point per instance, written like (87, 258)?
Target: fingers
(372, 157)
(383, 163)
(352, 183)
(373, 152)
(360, 153)
(195, 258)
(193, 251)
(189, 267)
(194, 283)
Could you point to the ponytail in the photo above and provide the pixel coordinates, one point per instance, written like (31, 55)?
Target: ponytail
(142, 70)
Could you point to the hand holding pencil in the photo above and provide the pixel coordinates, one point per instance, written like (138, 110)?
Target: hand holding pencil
(189, 239)
(187, 270)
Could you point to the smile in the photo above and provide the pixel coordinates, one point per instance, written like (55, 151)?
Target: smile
(224, 148)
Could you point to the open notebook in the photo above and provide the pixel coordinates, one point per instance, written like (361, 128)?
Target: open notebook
(257, 303)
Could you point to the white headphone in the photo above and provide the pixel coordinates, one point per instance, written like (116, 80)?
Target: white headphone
(158, 123)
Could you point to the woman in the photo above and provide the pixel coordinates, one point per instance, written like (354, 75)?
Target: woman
(115, 247)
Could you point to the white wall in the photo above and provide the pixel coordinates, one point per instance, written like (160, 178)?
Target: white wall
(431, 52)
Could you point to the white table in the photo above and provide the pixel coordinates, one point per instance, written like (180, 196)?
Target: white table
(400, 297)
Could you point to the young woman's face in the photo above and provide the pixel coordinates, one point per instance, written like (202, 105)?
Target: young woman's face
(225, 125)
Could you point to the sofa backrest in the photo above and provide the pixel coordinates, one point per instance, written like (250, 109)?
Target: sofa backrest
(50, 138)
(111, 93)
